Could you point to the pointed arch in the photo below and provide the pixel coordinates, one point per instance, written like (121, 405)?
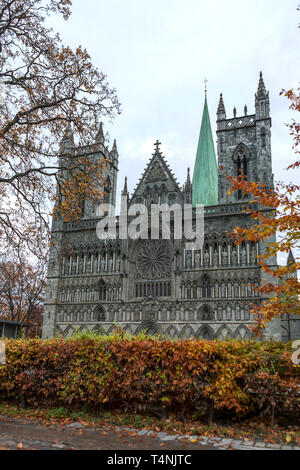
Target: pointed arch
(69, 331)
(172, 332)
(241, 158)
(149, 327)
(224, 332)
(242, 333)
(205, 332)
(187, 332)
(99, 313)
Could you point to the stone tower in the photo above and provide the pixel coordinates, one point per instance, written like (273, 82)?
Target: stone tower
(58, 264)
(244, 145)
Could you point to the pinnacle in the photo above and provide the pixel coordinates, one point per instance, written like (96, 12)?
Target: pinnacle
(291, 259)
(114, 147)
(261, 90)
(221, 107)
(100, 134)
(125, 190)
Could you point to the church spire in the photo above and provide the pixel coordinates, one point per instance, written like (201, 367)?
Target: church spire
(205, 176)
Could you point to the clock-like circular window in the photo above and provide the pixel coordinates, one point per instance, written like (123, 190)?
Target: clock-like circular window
(153, 260)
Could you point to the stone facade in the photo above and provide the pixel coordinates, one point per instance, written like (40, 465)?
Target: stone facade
(159, 285)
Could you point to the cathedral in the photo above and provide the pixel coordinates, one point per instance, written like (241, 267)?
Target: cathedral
(159, 285)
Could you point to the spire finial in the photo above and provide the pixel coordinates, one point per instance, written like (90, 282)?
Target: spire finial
(205, 83)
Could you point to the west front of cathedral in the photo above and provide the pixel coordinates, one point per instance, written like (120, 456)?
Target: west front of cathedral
(160, 285)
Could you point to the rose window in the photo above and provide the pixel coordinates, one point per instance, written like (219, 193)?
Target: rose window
(153, 260)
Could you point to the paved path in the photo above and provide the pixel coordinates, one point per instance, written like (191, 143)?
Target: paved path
(30, 434)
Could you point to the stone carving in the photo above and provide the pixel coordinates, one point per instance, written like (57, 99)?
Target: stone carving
(156, 173)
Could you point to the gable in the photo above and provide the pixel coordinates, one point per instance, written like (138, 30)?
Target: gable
(157, 180)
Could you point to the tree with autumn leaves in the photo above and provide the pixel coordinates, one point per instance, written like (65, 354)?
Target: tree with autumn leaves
(47, 90)
(22, 286)
(276, 211)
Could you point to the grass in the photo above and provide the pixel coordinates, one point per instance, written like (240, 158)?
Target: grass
(257, 428)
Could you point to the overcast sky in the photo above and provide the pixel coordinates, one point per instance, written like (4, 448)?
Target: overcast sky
(157, 54)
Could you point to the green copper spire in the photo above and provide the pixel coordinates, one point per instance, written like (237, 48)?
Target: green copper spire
(205, 177)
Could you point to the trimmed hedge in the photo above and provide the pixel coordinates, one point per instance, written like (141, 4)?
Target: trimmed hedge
(142, 373)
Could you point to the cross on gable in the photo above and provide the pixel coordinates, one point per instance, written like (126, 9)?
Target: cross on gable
(156, 145)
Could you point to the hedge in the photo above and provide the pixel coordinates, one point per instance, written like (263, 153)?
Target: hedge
(143, 373)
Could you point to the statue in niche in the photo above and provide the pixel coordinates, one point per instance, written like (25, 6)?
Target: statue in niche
(234, 256)
(206, 258)
(253, 256)
(243, 256)
(189, 259)
(216, 257)
(197, 259)
(224, 256)
(102, 263)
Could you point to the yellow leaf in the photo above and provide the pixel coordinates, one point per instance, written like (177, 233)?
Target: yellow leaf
(20, 445)
(288, 438)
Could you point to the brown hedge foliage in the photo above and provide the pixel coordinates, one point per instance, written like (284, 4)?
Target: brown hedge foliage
(236, 376)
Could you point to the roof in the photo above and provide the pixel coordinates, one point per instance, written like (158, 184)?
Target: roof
(205, 176)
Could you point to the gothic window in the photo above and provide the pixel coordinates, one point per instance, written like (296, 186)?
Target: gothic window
(236, 289)
(238, 313)
(81, 316)
(247, 313)
(216, 290)
(206, 314)
(88, 264)
(243, 289)
(80, 265)
(240, 158)
(228, 313)
(206, 287)
(188, 259)
(110, 262)
(223, 290)
(74, 264)
(205, 332)
(263, 137)
(102, 262)
(220, 314)
(107, 190)
(67, 265)
(102, 291)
